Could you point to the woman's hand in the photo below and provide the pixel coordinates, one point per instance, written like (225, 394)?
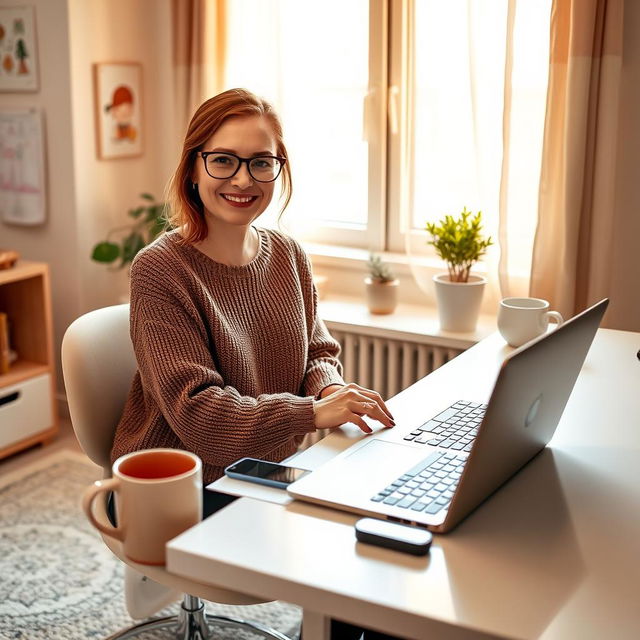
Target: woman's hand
(349, 403)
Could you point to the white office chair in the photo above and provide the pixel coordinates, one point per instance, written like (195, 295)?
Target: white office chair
(98, 364)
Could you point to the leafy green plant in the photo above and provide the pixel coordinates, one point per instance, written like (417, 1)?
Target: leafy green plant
(459, 242)
(124, 242)
(379, 270)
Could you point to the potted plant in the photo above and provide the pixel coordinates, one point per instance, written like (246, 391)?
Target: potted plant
(124, 242)
(381, 286)
(460, 243)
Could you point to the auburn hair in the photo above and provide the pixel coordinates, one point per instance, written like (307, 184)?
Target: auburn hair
(185, 206)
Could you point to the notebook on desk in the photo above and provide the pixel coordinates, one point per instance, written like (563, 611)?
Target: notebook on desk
(435, 474)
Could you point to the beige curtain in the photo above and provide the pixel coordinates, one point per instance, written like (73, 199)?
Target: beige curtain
(572, 252)
(198, 54)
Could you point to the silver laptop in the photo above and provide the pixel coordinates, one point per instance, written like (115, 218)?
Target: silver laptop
(435, 474)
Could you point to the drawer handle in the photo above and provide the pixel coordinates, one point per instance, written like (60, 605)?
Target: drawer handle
(11, 397)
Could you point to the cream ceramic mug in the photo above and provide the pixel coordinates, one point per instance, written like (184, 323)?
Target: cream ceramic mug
(158, 495)
(523, 319)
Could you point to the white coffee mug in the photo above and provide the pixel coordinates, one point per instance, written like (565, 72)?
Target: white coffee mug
(523, 319)
(158, 495)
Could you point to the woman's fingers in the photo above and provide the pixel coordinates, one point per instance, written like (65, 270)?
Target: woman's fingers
(371, 409)
(350, 404)
(373, 395)
(358, 421)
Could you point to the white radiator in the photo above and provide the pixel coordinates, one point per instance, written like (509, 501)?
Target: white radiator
(388, 366)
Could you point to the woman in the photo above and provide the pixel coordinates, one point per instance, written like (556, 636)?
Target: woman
(233, 359)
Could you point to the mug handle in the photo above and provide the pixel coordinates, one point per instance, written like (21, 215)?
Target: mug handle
(554, 315)
(90, 494)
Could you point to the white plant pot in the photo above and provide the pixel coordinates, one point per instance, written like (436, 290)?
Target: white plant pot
(459, 302)
(382, 297)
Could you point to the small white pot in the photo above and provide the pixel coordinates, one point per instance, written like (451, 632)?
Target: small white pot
(459, 302)
(382, 297)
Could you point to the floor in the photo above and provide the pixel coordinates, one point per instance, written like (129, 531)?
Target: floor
(65, 439)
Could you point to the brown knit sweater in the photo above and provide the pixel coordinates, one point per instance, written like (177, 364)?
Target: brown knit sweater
(229, 358)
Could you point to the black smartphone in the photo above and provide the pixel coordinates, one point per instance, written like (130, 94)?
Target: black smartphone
(270, 473)
(392, 535)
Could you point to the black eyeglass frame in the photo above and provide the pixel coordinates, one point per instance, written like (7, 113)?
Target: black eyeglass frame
(247, 161)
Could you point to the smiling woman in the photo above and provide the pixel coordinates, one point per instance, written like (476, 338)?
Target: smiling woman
(231, 138)
(232, 182)
(233, 358)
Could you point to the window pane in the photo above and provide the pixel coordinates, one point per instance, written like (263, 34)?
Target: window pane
(311, 61)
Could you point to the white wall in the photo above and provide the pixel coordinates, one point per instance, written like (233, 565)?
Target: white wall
(110, 31)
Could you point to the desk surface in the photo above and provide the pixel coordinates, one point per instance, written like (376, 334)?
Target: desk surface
(553, 554)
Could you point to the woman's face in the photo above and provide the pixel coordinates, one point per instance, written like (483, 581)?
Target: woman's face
(238, 200)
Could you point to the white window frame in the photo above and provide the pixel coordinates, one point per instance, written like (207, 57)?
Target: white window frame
(372, 237)
(400, 125)
(388, 117)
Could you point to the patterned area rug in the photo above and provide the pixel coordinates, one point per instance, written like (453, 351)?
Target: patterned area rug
(58, 580)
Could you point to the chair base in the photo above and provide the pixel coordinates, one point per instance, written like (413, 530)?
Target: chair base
(192, 623)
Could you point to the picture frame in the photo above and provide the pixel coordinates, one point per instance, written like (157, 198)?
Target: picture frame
(18, 49)
(118, 109)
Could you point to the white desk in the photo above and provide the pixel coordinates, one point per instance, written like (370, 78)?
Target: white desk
(554, 554)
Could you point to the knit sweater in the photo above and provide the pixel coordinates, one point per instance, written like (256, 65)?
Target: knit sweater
(229, 357)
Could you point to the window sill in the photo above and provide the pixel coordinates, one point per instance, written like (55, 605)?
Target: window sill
(410, 322)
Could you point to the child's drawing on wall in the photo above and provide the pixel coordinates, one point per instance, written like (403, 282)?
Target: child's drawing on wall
(18, 56)
(121, 109)
(118, 93)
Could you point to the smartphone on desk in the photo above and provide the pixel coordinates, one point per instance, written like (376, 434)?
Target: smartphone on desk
(271, 474)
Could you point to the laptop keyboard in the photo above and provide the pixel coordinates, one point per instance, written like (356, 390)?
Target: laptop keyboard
(430, 485)
(454, 428)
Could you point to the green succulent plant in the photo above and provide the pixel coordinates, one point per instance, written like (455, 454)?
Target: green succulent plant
(378, 269)
(123, 243)
(459, 242)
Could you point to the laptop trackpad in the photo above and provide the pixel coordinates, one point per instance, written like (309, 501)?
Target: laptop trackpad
(393, 458)
(355, 476)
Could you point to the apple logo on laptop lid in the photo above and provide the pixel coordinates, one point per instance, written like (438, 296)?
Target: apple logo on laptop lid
(533, 411)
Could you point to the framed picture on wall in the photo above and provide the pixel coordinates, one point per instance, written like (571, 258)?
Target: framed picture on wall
(18, 54)
(118, 107)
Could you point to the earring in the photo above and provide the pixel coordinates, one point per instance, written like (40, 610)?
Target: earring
(194, 186)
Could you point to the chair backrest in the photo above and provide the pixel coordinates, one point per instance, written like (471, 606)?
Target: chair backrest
(98, 365)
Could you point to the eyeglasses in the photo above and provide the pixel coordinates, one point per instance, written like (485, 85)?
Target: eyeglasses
(223, 166)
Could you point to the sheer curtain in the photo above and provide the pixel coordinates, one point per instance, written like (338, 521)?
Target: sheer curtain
(481, 70)
(573, 255)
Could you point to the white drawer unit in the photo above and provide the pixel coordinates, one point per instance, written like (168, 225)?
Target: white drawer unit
(25, 409)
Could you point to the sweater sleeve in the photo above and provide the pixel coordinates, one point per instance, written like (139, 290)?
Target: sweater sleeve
(323, 366)
(212, 419)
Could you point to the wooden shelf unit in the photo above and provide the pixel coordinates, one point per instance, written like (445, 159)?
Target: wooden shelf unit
(28, 413)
